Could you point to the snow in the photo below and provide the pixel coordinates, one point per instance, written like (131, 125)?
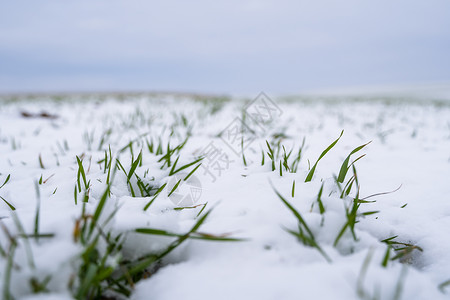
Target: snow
(410, 149)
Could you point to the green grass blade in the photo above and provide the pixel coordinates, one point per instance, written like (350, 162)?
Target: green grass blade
(340, 234)
(81, 170)
(443, 285)
(242, 149)
(6, 181)
(152, 231)
(311, 172)
(7, 203)
(154, 197)
(99, 209)
(400, 283)
(185, 166)
(8, 272)
(215, 238)
(41, 164)
(134, 165)
(201, 210)
(295, 212)
(21, 230)
(174, 188)
(345, 165)
(172, 170)
(38, 209)
(192, 172)
(362, 275)
(386, 257)
(293, 188)
(319, 201)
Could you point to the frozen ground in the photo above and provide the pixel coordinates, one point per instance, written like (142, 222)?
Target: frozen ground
(252, 245)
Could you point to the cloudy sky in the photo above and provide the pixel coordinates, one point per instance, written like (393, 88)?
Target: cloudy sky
(236, 47)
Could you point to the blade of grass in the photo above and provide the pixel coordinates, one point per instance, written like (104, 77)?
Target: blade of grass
(400, 283)
(308, 240)
(154, 197)
(386, 257)
(293, 188)
(443, 285)
(311, 172)
(41, 164)
(134, 165)
(192, 172)
(99, 209)
(362, 275)
(38, 208)
(81, 171)
(172, 171)
(21, 231)
(174, 188)
(345, 167)
(7, 203)
(319, 200)
(8, 272)
(6, 181)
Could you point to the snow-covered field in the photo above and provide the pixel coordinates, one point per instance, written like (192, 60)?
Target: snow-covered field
(108, 197)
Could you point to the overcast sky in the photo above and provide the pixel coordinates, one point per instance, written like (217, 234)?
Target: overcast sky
(237, 47)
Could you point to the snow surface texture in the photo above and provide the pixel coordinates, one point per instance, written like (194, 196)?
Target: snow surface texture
(410, 148)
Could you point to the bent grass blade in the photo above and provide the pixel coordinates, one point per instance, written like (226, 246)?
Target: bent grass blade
(313, 169)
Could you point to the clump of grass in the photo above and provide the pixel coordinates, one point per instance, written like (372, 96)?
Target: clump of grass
(37, 285)
(402, 250)
(362, 292)
(298, 157)
(88, 138)
(352, 215)
(345, 191)
(145, 188)
(304, 233)
(352, 211)
(97, 277)
(283, 160)
(104, 138)
(193, 233)
(138, 141)
(166, 157)
(94, 270)
(131, 172)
